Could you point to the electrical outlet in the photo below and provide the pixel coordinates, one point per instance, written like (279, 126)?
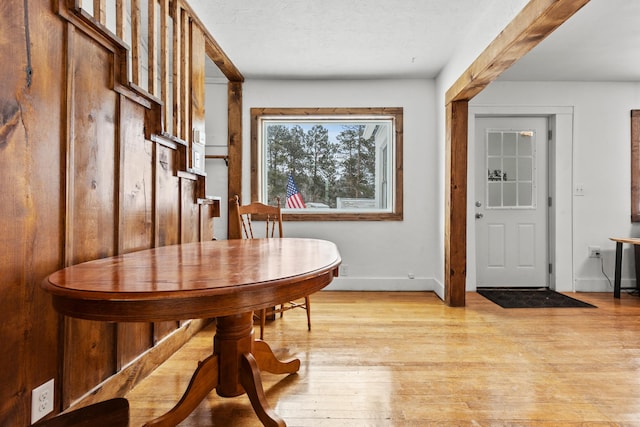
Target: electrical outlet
(41, 400)
(344, 270)
(594, 252)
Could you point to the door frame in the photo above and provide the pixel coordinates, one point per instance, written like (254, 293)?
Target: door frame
(560, 189)
(512, 274)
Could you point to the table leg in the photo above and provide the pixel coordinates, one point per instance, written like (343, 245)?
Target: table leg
(267, 361)
(234, 337)
(204, 379)
(232, 369)
(618, 272)
(250, 380)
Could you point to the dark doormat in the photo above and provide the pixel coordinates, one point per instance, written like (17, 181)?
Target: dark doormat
(530, 298)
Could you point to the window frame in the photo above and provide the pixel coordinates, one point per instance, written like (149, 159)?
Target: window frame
(396, 214)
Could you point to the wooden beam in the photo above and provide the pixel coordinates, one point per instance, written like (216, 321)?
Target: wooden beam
(135, 42)
(121, 14)
(153, 54)
(197, 86)
(214, 51)
(69, 145)
(164, 63)
(534, 23)
(234, 151)
(185, 70)
(455, 257)
(177, 62)
(100, 11)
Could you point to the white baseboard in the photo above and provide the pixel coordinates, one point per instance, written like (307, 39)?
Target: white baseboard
(601, 285)
(431, 284)
(438, 288)
(382, 284)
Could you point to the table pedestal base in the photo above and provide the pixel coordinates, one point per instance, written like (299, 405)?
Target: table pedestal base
(233, 369)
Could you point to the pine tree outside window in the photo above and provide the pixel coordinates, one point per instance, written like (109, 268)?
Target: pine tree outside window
(344, 164)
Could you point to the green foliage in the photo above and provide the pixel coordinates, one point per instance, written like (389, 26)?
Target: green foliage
(322, 169)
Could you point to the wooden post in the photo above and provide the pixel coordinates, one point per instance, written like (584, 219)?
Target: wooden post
(177, 72)
(185, 78)
(121, 13)
(100, 11)
(538, 19)
(234, 94)
(455, 244)
(135, 42)
(153, 55)
(164, 62)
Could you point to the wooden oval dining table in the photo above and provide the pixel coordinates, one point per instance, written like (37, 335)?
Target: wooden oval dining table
(224, 279)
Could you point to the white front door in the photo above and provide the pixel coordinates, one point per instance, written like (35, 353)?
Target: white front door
(511, 202)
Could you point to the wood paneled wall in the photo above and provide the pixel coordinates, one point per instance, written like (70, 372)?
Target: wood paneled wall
(31, 207)
(88, 171)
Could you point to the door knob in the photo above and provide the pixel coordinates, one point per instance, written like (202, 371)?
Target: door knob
(478, 204)
(479, 215)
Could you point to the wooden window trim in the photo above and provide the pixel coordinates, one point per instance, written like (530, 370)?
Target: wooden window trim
(397, 113)
(635, 165)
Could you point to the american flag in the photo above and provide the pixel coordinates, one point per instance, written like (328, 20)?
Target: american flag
(294, 198)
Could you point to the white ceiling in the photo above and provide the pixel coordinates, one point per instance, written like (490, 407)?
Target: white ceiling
(599, 43)
(362, 39)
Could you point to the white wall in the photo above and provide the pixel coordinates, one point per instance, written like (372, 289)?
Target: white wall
(600, 163)
(216, 144)
(379, 255)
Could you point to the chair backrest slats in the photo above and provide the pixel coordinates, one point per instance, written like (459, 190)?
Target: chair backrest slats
(257, 211)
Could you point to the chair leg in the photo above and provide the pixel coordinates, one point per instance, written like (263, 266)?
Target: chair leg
(307, 303)
(263, 320)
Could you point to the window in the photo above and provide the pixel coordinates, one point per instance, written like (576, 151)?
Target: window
(510, 169)
(334, 164)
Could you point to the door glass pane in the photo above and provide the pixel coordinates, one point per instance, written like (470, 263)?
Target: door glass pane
(509, 195)
(495, 169)
(495, 195)
(525, 194)
(525, 169)
(494, 140)
(509, 142)
(524, 144)
(510, 169)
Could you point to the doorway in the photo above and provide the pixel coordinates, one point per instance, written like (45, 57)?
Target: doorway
(511, 202)
(559, 228)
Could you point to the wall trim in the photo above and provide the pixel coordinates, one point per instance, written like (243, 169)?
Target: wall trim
(120, 383)
(382, 284)
(602, 285)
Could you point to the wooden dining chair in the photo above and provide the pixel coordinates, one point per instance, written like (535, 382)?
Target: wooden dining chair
(249, 216)
(110, 413)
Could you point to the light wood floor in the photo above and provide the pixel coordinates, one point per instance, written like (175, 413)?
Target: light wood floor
(406, 359)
